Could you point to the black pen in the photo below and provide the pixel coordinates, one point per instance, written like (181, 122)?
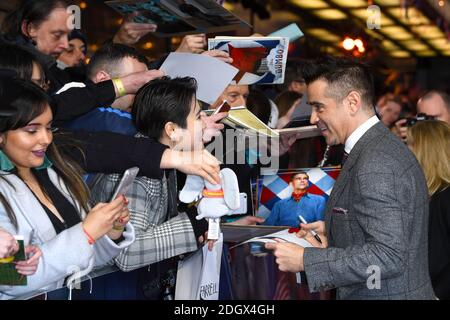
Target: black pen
(316, 236)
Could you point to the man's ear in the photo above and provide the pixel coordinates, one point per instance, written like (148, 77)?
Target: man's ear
(28, 29)
(102, 76)
(171, 131)
(353, 101)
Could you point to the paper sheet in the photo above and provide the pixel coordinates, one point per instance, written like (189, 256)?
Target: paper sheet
(283, 235)
(212, 74)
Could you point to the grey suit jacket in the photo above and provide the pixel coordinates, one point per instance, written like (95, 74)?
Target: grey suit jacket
(377, 224)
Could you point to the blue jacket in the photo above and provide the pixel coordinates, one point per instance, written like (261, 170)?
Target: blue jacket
(104, 119)
(285, 212)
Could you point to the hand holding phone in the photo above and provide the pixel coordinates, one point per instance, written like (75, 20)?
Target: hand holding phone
(126, 182)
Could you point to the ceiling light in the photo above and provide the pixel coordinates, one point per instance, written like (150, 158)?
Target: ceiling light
(414, 45)
(428, 32)
(310, 4)
(348, 44)
(426, 53)
(442, 43)
(387, 3)
(330, 14)
(389, 45)
(322, 34)
(415, 17)
(359, 43)
(351, 3)
(396, 33)
(399, 54)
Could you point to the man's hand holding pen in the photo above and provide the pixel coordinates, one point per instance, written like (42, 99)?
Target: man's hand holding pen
(289, 256)
(319, 228)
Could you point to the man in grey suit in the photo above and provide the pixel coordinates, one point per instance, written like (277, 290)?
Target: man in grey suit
(376, 219)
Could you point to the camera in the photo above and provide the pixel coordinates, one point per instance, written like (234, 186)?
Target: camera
(420, 117)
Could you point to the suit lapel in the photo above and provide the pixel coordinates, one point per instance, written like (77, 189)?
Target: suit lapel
(373, 133)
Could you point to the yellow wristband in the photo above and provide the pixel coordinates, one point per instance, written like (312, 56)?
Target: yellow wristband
(119, 86)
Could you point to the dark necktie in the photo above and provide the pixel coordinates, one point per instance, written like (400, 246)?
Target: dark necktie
(344, 158)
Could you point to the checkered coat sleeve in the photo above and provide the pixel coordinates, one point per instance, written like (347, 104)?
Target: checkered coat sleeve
(158, 237)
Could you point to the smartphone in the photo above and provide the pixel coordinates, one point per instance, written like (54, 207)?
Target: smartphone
(243, 204)
(125, 184)
(224, 107)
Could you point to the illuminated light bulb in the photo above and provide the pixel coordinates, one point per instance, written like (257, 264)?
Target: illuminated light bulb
(148, 45)
(441, 3)
(361, 49)
(358, 43)
(83, 5)
(348, 44)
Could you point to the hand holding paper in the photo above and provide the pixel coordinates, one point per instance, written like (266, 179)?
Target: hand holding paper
(212, 75)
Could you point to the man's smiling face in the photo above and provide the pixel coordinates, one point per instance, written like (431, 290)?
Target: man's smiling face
(329, 116)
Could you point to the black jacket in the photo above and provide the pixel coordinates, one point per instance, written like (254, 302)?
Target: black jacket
(71, 103)
(439, 243)
(109, 152)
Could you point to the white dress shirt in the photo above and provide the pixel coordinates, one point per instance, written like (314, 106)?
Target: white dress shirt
(359, 132)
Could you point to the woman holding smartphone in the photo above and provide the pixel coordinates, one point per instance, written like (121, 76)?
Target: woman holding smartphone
(45, 199)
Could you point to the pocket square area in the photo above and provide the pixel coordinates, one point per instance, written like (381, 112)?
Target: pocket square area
(339, 210)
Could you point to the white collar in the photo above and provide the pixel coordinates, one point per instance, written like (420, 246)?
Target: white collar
(359, 132)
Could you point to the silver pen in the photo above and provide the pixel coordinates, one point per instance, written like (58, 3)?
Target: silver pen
(316, 236)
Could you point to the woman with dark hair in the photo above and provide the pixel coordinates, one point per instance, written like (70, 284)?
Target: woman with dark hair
(45, 199)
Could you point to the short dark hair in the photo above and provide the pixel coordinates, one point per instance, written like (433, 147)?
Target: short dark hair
(342, 75)
(160, 101)
(77, 34)
(297, 173)
(109, 56)
(31, 11)
(445, 97)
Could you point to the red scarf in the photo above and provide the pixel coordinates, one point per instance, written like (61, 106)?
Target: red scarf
(298, 196)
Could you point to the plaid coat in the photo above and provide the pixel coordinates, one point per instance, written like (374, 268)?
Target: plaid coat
(161, 231)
